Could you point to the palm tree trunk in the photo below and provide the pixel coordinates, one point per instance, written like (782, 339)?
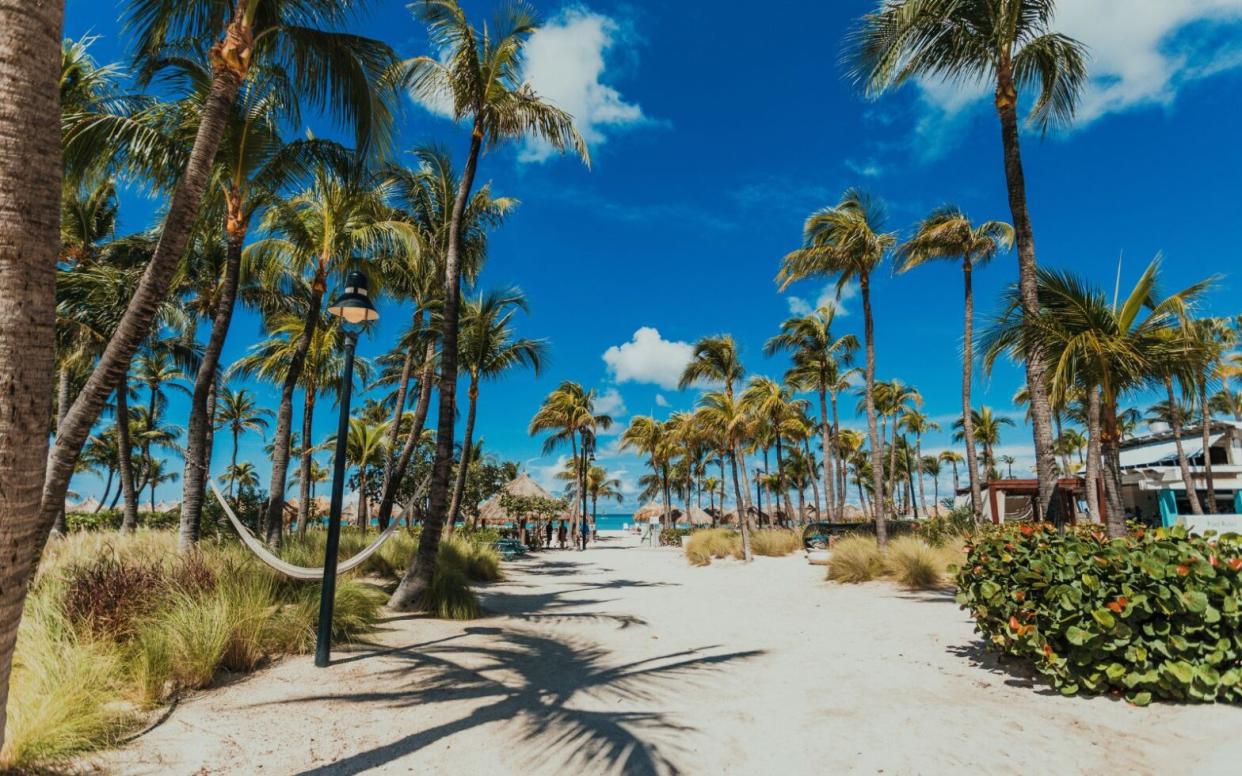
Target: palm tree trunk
(125, 463)
(233, 465)
(842, 480)
(968, 425)
(403, 388)
(741, 515)
(1092, 475)
(828, 476)
(956, 481)
(825, 432)
(1015, 178)
(308, 457)
(425, 382)
(780, 480)
(153, 288)
(107, 489)
(275, 518)
(459, 486)
(30, 188)
(362, 496)
(918, 461)
(62, 406)
(877, 458)
(1175, 420)
(1110, 439)
(418, 576)
(197, 454)
(893, 474)
(1207, 441)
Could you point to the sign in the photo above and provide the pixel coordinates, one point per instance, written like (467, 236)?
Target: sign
(1221, 524)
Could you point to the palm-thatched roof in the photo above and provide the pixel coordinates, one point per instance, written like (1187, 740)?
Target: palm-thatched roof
(523, 485)
(699, 516)
(651, 511)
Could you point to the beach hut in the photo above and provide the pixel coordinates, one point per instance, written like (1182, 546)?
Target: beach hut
(652, 511)
(90, 505)
(492, 513)
(698, 517)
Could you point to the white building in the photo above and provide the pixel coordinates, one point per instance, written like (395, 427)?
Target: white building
(1152, 480)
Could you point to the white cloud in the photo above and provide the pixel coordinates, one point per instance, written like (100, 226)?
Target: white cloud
(1142, 52)
(827, 298)
(649, 358)
(566, 63)
(610, 402)
(867, 168)
(545, 474)
(660, 400)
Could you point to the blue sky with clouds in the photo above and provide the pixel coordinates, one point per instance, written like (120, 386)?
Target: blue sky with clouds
(716, 130)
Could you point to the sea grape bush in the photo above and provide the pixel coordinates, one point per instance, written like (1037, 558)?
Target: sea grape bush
(1152, 615)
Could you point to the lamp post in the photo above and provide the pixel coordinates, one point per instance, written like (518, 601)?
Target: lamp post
(354, 308)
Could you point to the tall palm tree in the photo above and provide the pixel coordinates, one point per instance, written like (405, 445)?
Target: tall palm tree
(479, 74)
(600, 485)
(568, 415)
(953, 459)
(318, 235)
(238, 411)
(1008, 44)
(1211, 339)
(818, 356)
(298, 37)
(656, 441)
(717, 360)
(915, 422)
(719, 411)
(848, 241)
(489, 349)
(987, 425)
(948, 234)
(364, 448)
(767, 399)
(1102, 347)
(243, 475)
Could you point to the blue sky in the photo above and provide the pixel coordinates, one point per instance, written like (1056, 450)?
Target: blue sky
(714, 135)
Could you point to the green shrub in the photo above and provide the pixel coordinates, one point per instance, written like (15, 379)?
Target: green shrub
(708, 543)
(947, 529)
(855, 559)
(775, 542)
(1154, 615)
(914, 563)
(671, 537)
(449, 596)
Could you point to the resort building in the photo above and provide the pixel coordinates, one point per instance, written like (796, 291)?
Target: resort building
(1151, 479)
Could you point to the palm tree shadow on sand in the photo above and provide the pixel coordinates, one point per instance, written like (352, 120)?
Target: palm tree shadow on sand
(544, 697)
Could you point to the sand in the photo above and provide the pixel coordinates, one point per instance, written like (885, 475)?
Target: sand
(624, 659)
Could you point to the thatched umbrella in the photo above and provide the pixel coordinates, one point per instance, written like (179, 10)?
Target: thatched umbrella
(650, 511)
(699, 517)
(492, 512)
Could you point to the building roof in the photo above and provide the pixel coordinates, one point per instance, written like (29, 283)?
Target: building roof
(1190, 432)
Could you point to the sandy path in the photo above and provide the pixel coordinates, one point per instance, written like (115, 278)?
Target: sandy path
(624, 659)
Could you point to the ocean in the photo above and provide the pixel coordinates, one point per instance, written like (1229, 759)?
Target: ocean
(620, 522)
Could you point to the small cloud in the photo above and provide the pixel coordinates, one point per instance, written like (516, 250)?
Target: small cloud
(649, 358)
(867, 168)
(660, 400)
(610, 402)
(827, 298)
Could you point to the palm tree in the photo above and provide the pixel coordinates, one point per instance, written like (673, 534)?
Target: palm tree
(364, 447)
(489, 349)
(818, 357)
(987, 426)
(1101, 347)
(948, 234)
(719, 412)
(915, 422)
(568, 415)
(931, 467)
(953, 459)
(317, 236)
(599, 485)
(655, 440)
(238, 412)
(716, 360)
(1007, 43)
(243, 475)
(1210, 339)
(769, 401)
(297, 37)
(479, 74)
(847, 241)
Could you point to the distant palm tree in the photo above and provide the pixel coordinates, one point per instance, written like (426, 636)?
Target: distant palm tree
(917, 423)
(479, 74)
(932, 468)
(987, 426)
(600, 485)
(243, 475)
(848, 241)
(1006, 43)
(568, 415)
(656, 441)
(489, 349)
(766, 399)
(364, 447)
(953, 459)
(718, 410)
(948, 234)
(1008, 460)
(238, 412)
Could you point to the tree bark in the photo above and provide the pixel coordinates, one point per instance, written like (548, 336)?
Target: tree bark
(918, 462)
(1092, 474)
(825, 431)
(304, 467)
(418, 576)
(1110, 439)
(842, 478)
(459, 485)
(968, 424)
(1028, 284)
(425, 382)
(877, 457)
(741, 516)
(30, 188)
(197, 457)
(403, 387)
(275, 519)
(107, 489)
(153, 288)
(1207, 441)
(810, 457)
(62, 407)
(1175, 420)
(124, 458)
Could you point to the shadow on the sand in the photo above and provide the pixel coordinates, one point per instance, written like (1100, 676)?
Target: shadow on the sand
(1016, 673)
(533, 689)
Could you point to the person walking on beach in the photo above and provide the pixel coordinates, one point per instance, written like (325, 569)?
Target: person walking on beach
(562, 533)
(585, 531)
(548, 534)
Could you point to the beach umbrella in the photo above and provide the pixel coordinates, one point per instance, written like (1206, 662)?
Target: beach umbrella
(523, 485)
(699, 517)
(648, 512)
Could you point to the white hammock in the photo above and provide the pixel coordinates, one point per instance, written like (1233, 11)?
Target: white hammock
(288, 569)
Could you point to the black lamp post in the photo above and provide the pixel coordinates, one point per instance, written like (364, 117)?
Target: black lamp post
(354, 308)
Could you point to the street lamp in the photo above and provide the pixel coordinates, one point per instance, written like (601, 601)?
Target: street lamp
(354, 307)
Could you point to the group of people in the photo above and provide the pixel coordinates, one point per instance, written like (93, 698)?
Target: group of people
(559, 531)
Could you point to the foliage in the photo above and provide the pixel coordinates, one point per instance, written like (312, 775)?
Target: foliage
(855, 559)
(1152, 615)
(671, 537)
(913, 563)
(941, 530)
(522, 508)
(708, 543)
(110, 519)
(775, 542)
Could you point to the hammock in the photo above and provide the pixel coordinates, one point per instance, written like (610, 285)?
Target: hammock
(288, 569)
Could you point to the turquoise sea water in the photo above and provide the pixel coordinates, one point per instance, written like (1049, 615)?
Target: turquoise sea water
(618, 522)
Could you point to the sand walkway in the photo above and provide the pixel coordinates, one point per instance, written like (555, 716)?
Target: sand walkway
(623, 659)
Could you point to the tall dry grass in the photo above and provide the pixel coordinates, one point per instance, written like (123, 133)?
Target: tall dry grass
(908, 560)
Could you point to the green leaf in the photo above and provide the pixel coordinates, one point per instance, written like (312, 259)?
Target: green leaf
(1139, 698)
(1078, 636)
(1179, 671)
(1195, 601)
(1104, 618)
(988, 589)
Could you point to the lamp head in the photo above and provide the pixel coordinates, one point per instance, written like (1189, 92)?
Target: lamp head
(354, 305)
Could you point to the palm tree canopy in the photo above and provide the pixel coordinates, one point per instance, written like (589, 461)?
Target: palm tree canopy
(948, 234)
(714, 359)
(846, 240)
